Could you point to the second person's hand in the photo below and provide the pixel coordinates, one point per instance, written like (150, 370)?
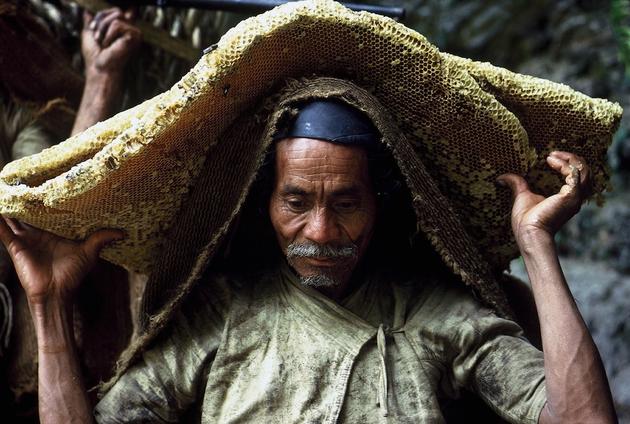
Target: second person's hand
(108, 40)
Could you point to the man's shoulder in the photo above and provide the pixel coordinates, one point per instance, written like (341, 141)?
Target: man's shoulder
(220, 289)
(447, 304)
(447, 315)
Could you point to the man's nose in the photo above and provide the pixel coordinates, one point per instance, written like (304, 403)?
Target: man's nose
(322, 227)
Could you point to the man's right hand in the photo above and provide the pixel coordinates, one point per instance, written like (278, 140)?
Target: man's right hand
(108, 40)
(51, 269)
(48, 266)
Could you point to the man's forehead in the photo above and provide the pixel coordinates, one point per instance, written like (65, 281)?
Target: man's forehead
(301, 151)
(348, 188)
(303, 160)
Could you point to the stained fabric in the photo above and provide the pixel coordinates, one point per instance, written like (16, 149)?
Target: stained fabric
(264, 348)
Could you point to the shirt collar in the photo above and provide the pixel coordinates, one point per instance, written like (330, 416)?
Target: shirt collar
(344, 327)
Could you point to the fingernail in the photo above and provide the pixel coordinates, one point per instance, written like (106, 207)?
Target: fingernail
(92, 25)
(500, 182)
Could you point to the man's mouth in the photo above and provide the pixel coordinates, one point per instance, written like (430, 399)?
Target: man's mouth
(324, 254)
(321, 262)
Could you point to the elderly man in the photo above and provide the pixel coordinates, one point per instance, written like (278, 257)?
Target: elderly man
(323, 209)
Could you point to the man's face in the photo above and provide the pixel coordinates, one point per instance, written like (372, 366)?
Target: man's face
(322, 208)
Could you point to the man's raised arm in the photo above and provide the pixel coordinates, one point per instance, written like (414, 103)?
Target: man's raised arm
(51, 269)
(108, 40)
(577, 387)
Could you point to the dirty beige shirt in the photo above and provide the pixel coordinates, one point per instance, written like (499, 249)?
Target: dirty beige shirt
(267, 350)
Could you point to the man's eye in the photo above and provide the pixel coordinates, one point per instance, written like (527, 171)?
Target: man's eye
(296, 204)
(346, 206)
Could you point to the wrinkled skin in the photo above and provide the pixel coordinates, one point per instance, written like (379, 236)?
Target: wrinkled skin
(532, 212)
(322, 195)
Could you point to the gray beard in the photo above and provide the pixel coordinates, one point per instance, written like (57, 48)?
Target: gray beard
(346, 254)
(319, 280)
(314, 250)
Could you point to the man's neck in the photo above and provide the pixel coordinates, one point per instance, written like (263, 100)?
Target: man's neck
(339, 292)
(336, 293)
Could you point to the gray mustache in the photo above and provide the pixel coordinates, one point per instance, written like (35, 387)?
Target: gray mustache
(314, 250)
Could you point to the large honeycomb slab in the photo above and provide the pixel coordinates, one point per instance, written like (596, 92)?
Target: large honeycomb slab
(467, 121)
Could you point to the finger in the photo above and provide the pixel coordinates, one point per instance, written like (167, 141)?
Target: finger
(88, 18)
(7, 236)
(558, 164)
(565, 163)
(15, 225)
(99, 17)
(104, 24)
(128, 41)
(569, 157)
(568, 190)
(571, 197)
(570, 171)
(99, 239)
(573, 179)
(130, 13)
(117, 30)
(586, 179)
(572, 159)
(516, 183)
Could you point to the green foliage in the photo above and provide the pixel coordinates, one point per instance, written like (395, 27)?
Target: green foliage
(620, 20)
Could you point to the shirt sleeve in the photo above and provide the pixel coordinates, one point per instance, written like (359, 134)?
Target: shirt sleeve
(495, 361)
(169, 377)
(483, 353)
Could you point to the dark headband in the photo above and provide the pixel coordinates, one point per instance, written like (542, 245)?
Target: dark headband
(332, 121)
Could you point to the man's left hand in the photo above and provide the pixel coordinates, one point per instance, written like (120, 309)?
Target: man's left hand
(533, 214)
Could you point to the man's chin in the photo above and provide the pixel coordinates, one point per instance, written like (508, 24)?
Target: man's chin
(321, 274)
(319, 281)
